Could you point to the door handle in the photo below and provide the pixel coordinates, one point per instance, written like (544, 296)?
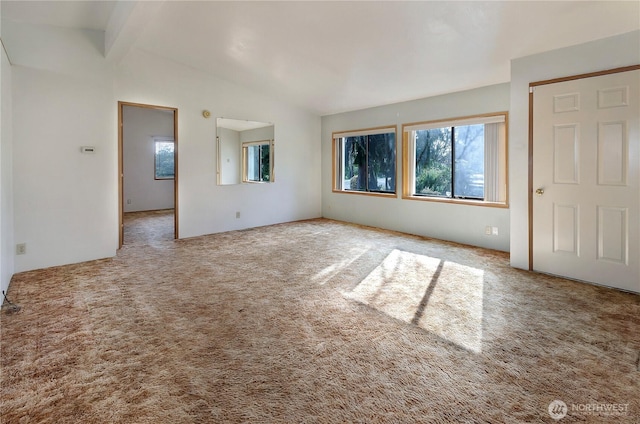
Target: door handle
(540, 191)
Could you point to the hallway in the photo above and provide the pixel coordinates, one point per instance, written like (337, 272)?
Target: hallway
(148, 227)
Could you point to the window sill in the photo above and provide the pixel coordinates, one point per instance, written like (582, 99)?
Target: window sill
(367, 193)
(482, 203)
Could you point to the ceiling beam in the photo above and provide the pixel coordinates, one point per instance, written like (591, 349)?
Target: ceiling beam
(125, 25)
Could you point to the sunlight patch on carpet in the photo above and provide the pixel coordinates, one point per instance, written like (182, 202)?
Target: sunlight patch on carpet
(336, 268)
(442, 297)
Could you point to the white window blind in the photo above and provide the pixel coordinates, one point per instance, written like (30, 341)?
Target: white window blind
(491, 163)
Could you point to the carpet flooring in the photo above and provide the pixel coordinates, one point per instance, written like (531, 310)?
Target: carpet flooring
(313, 322)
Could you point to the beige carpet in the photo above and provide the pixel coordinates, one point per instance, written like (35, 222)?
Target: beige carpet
(312, 322)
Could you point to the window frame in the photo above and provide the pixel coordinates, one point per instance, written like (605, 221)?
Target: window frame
(245, 161)
(161, 139)
(337, 159)
(408, 159)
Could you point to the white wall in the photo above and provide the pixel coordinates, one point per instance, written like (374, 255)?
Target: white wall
(258, 134)
(608, 53)
(6, 176)
(204, 206)
(229, 156)
(62, 99)
(142, 192)
(65, 96)
(460, 223)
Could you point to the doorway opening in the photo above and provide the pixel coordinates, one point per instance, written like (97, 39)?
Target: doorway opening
(147, 173)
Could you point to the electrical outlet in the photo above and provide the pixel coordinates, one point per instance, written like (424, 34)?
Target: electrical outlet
(487, 230)
(494, 231)
(21, 249)
(237, 214)
(128, 201)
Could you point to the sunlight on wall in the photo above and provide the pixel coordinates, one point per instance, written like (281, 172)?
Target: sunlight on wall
(442, 297)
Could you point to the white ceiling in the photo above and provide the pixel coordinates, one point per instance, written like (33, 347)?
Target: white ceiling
(330, 57)
(67, 14)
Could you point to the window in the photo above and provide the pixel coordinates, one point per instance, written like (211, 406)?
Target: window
(257, 158)
(164, 158)
(458, 160)
(365, 161)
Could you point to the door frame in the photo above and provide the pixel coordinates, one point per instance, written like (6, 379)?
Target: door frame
(531, 164)
(121, 106)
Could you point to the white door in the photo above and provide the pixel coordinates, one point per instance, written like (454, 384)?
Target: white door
(586, 160)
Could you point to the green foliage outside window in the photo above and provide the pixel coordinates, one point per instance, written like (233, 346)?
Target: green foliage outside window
(264, 162)
(433, 161)
(165, 160)
(437, 174)
(369, 163)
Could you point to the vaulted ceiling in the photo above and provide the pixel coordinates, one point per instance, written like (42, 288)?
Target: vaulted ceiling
(330, 57)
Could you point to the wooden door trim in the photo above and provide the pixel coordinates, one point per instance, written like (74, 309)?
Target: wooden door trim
(531, 87)
(121, 166)
(587, 75)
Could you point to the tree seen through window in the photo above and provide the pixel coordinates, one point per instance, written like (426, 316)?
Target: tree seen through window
(437, 174)
(164, 160)
(369, 163)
